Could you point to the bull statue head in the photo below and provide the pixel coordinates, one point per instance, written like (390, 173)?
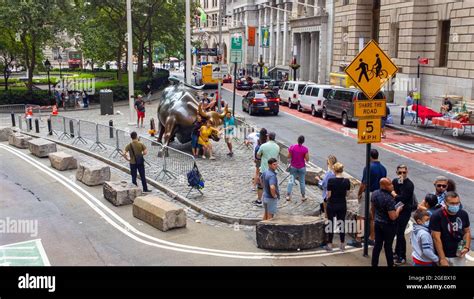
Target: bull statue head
(215, 117)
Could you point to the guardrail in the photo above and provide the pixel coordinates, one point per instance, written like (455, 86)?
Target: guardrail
(12, 108)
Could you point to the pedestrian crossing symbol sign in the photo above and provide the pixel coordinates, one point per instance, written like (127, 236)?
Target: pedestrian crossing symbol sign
(371, 69)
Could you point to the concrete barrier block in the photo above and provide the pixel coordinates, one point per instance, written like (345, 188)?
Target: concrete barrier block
(93, 174)
(312, 174)
(120, 192)
(290, 232)
(41, 147)
(62, 161)
(19, 140)
(5, 133)
(158, 212)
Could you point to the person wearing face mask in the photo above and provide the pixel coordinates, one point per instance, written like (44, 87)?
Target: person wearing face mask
(403, 192)
(450, 229)
(385, 213)
(441, 185)
(423, 249)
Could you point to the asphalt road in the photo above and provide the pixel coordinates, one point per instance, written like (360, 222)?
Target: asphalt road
(323, 142)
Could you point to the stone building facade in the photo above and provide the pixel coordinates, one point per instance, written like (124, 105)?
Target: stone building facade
(440, 30)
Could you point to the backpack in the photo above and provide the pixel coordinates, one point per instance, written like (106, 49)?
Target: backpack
(195, 178)
(256, 151)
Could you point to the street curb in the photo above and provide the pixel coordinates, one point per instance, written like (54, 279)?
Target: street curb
(171, 193)
(434, 137)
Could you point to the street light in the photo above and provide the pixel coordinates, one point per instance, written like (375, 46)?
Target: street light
(261, 64)
(47, 65)
(60, 59)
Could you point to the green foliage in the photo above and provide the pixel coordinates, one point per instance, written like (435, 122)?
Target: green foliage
(38, 97)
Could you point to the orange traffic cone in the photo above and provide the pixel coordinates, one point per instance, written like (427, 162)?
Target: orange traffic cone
(55, 110)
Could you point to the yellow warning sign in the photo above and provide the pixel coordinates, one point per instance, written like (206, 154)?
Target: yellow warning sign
(367, 108)
(369, 130)
(371, 69)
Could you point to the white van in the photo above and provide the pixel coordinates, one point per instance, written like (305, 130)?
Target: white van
(290, 92)
(313, 97)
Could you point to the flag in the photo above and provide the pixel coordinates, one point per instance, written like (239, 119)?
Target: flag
(202, 15)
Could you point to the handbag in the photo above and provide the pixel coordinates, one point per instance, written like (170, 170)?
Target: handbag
(139, 160)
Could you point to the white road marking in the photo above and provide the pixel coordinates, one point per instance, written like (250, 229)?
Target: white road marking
(42, 252)
(129, 230)
(416, 147)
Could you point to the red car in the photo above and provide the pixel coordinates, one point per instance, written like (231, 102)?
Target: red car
(227, 79)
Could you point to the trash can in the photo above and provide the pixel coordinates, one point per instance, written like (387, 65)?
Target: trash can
(106, 97)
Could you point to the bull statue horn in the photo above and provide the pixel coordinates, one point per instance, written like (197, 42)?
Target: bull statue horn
(226, 109)
(202, 113)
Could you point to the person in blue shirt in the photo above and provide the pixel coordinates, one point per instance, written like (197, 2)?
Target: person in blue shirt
(229, 125)
(377, 172)
(324, 182)
(409, 100)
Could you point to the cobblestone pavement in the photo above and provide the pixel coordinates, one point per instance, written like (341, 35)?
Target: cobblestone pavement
(227, 180)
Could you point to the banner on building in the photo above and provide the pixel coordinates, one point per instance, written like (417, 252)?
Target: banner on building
(251, 35)
(265, 37)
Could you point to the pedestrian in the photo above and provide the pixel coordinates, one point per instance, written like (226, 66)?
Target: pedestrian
(450, 229)
(204, 133)
(384, 121)
(377, 171)
(134, 152)
(57, 97)
(324, 182)
(429, 204)
(271, 194)
(409, 101)
(298, 155)
(140, 109)
(337, 205)
(252, 139)
(267, 151)
(263, 138)
(385, 213)
(403, 192)
(441, 185)
(85, 99)
(206, 102)
(423, 253)
(77, 97)
(229, 125)
(451, 186)
(195, 146)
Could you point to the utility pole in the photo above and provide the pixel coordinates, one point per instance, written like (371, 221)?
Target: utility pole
(131, 91)
(222, 4)
(188, 42)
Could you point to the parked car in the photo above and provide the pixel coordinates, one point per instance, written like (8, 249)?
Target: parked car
(227, 79)
(260, 84)
(290, 92)
(275, 85)
(340, 103)
(244, 83)
(264, 101)
(313, 97)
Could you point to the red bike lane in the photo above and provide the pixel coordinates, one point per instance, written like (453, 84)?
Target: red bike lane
(429, 152)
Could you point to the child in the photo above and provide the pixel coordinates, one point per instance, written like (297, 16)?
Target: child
(423, 250)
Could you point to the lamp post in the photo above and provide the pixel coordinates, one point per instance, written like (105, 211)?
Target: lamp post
(60, 59)
(47, 65)
(261, 64)
(294, 66)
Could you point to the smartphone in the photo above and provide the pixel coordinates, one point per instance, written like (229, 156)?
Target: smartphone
(399, 204)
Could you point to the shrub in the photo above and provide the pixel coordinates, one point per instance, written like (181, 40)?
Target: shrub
(37, 97)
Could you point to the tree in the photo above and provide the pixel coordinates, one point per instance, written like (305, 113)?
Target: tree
(10, 52)
(37, 23)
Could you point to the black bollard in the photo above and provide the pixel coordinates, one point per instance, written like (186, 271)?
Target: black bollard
(402, 116)
(13, 120)
(111, 129)
(37, 125)
(30, 124)
(50, 131)
(71, 127)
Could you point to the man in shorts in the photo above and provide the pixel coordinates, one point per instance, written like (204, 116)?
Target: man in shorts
(271, 194)
(140, 108)
(229, 125)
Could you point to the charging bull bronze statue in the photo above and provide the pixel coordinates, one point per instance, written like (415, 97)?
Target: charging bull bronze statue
(177, 111)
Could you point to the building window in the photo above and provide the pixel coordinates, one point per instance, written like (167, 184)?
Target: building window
(214, 3)
(394, 39)
(206, 3)
(345, 2)
(444, 28)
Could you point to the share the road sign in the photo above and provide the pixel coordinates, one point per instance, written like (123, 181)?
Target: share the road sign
(371, 69)
(369, 108)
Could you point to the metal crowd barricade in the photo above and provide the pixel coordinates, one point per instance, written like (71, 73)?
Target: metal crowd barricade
(154, 149)
(175, 163)
(107, 135)
(58, 126)
(122, 138)
(13, 108)
(90, 131)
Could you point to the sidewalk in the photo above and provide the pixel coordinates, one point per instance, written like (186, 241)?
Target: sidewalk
(430, 131)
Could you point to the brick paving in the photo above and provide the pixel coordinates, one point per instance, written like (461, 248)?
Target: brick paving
(227, 180)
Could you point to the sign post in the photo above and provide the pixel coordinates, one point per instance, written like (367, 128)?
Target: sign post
(370, 70)
(235, 57)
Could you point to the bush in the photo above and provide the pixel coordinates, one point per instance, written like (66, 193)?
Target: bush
(37, 97)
